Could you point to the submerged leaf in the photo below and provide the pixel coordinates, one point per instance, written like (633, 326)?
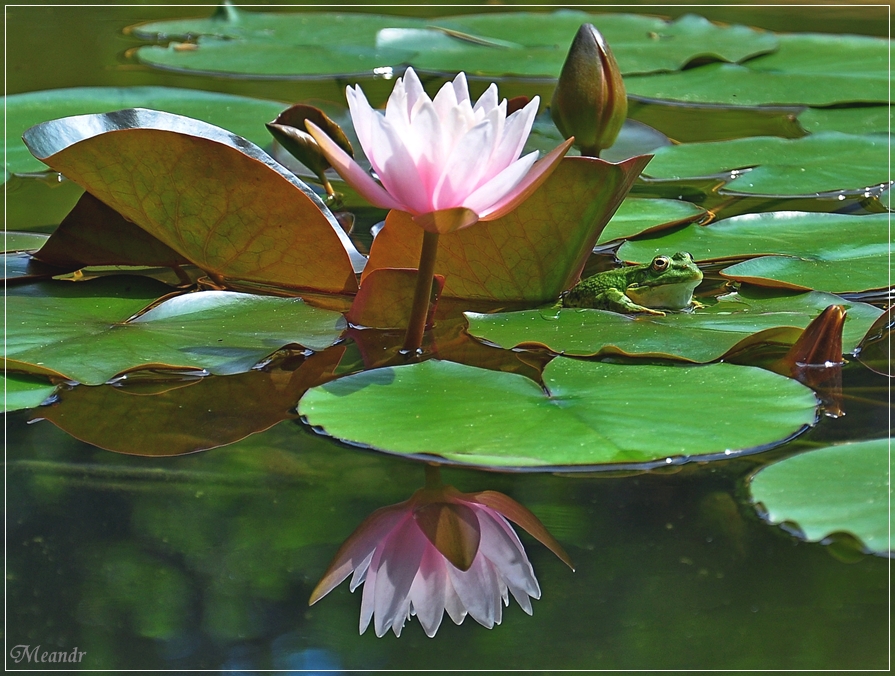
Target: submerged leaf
(22, 391)
(586, 419)
(214, 198)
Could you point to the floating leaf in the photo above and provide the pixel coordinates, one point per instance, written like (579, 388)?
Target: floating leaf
(82, 331)
(496, 419)
(818, 163)
(701, 336)
(692, 122)
(836, 489)
(531, 254)
(508, 43)
(242, 115)
(23, 241)
(24, 391)
(858, 120)
(161, 417)
(826, 252)
(95, 234)
(214, 198)
(874, 351)
(807, 69)
(637, 216)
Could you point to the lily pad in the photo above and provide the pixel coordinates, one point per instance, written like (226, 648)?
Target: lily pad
(837, 489)
(23, 391)
(242, 115)
(817, 163)
(702, 336)
(514, 43)
(84, 331)
(530, 255)
(827, 252)
(637, 216)
(23, 241)
(856, 120)
(495, 419)
(214, 198)
(807, 69)
(157, 416)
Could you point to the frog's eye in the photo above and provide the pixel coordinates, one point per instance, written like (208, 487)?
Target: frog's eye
(661, 263)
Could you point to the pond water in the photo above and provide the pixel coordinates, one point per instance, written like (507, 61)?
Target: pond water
(207, 561)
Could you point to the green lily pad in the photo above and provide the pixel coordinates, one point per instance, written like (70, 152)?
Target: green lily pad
(242, 115)
(24, 391)
(815, 70)
(702, 336)
(517, 43)
(222, 203)
(857, 120)
(495, 419)
(23, 241)
(83, 331)
(844, 488)
(827, 252)
(817, 163)
(637, 216)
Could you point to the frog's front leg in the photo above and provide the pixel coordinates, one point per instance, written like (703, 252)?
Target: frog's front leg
(617, 301)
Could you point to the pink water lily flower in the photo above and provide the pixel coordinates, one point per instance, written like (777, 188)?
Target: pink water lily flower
(446, 161)
(442, 550)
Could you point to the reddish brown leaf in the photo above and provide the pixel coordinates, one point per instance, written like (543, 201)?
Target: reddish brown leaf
(95, 234)
(385, 299)
(215, 198)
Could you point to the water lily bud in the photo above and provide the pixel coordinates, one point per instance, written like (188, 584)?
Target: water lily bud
(290, 131)
(589, 102)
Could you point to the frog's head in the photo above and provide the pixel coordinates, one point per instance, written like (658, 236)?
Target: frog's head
(666, 282)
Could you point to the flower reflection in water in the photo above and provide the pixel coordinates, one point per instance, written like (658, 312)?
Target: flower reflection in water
(441, 550)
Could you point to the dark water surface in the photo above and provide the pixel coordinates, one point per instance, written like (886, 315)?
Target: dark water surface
(207, 561)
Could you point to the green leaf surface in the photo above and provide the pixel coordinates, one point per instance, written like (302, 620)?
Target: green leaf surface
(636, 216)
(496, 419)
(217, 200)
(517, 43)
(844, 488)
(701, 336)
(817, 163)
(533, 253)
(242, 115)
(827, 252)
(857, 120)
(23, 391)
(23, 241)
(83, 331)
(807, 69)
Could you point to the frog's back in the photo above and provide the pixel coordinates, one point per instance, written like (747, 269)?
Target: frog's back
(588, 291)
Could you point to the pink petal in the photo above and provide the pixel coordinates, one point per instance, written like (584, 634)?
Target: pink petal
(532, 181)
(362, 115)
(484, 197)
(502, 547)
(465, 166)
(461, 87)
(515, 132)
(425, 143)
(358, 548)
(452, 603)
(397, 170)
(427, 593)
(478, 589)
(445, 99)
(352, 172)
(402, 552)
(488, 100)
(413, 88)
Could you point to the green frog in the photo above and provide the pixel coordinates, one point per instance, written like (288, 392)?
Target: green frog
(665, 283)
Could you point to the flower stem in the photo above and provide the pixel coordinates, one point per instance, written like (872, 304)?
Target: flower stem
(423, 292)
